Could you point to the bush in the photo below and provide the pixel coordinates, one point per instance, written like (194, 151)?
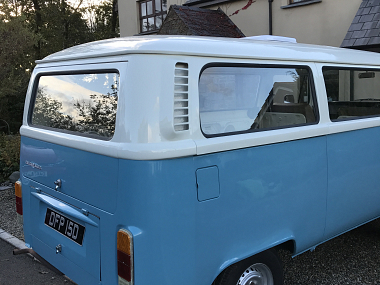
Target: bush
(9, 155)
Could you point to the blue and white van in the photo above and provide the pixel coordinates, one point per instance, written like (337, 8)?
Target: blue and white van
(192, 160)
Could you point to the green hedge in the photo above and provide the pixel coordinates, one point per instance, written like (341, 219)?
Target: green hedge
(9, 155)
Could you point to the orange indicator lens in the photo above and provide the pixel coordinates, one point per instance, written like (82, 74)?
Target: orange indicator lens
(124, 257)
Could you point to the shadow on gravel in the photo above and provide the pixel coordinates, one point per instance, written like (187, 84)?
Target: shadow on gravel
(352, 258)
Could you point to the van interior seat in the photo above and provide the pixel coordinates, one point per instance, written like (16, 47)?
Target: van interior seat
(296, 108)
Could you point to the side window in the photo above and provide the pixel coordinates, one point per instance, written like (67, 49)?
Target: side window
(83, 104)
(235, 99)
(352, 93)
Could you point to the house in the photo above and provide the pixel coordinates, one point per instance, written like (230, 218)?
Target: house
(325, 22)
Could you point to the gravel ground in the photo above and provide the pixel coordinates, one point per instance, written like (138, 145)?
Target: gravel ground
(8, 216)
(351, 259)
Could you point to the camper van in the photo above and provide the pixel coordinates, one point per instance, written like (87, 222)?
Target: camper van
(192, 160)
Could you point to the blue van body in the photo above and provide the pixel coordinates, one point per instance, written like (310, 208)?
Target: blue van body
(195, 201)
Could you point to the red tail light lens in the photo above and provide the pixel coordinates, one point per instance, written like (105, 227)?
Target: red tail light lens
(18, 193)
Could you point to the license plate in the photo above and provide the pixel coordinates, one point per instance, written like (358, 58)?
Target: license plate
(65, 226)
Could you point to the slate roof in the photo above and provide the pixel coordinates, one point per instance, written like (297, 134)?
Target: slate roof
(365, 28)
(199, 22)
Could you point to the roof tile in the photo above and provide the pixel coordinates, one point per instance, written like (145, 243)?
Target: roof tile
(372, 33)
(375, 9)
(370, 25)
(348, 35)
(361, 42)
(359, 34)
(355, 27)
(374, 41)
(360, 12)
(376, 17)
(356, 20)
(366, 10)
(348, 43)
(366, 18)
(370, 3)
(362, 5)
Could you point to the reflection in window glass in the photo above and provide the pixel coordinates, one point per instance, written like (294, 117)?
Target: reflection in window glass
(158, 21)
(352, 93)
(157, 6)
(149, 6)
(83, 103)
(144, 25)
(151, 24)
(143, 9)
(238, 99)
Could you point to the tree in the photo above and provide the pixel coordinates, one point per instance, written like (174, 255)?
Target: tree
(33, 29)
(103, 20)
(16, 64)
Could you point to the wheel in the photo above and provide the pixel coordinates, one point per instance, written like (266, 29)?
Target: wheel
(264, 268)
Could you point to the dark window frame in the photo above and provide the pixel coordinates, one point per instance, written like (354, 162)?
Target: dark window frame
(76, 72)
(313, 94)
(327, 67)
(162, 14)
(300, 3)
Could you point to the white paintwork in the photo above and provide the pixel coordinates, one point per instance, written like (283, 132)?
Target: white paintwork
(272, 38)
(214, 47)
(144, 126)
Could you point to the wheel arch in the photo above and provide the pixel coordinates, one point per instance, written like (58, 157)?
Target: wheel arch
(287, 245)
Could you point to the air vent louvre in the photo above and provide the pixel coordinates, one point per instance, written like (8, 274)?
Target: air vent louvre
(181, 97)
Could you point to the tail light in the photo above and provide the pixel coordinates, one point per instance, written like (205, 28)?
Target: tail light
(124, 257)
(18, 193)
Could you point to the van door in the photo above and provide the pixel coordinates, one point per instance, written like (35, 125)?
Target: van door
(353, 147)
(67, 189)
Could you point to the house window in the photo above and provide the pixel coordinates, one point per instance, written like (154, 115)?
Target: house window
(297, 3)
(152, 14)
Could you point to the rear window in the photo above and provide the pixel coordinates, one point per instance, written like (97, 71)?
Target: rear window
(82, 104)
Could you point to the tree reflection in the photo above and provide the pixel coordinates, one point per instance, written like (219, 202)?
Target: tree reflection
(95, 116)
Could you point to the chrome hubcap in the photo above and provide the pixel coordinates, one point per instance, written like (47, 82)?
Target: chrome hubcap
(256, 274)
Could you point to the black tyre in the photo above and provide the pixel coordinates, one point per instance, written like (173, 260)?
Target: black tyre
(264, 268)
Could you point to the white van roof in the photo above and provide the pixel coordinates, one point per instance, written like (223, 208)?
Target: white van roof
(214, 47)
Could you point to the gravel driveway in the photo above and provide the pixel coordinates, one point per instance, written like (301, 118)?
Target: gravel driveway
(8, 216)
(352, 258)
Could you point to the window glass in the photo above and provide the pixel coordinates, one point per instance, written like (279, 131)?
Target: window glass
(81, 103)
(157, 6)
(149, 6)
(151, 25)
(143, 9)
(241, 99)
(352, 93)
